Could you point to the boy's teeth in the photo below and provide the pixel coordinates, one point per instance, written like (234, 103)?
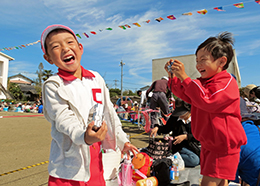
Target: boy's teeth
(68, 57)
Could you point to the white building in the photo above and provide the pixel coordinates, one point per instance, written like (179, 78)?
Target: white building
(4, 64)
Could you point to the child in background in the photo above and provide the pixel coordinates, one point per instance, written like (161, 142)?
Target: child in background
(68, 97)
(215, 108)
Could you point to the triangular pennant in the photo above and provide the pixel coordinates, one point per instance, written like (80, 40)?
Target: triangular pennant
(159, 19)
(86, 35)
(148, 21)
(78, 36)
(188, 13)
(123, 27)
(109, 28)
(137, 24)
(100, 30)
(257, 1)
(219, 8)
(128, 26)
(239, 5)
(92, 32)
(203, 12)
(171, 17)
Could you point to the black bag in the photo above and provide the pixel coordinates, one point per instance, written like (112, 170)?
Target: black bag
(158, 148)
(161, 170)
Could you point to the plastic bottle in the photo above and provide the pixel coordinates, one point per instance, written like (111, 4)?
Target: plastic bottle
(127, 173)
(172, 173)
(150, 181)
(176, 168)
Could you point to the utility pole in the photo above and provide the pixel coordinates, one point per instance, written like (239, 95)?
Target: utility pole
(115, 83)
(122, 64)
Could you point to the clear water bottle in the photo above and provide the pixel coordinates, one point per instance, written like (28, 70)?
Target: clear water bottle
(176, 168)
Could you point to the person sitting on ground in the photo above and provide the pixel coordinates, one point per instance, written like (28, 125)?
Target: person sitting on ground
(179, 125)
(135, 108)
(252, 101)
(253, 92)
(249, 164)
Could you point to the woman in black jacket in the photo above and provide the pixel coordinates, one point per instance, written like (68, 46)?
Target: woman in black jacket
(179, 127)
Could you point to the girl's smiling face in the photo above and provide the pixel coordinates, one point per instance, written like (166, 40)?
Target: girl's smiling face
(206, 65)
(64, 51)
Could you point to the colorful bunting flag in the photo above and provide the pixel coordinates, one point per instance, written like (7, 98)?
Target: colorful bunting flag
(159, 19)
(19, 46)
(171, 17)
(137, 24)
(86, 35)
(188, 14)
(123, 27)
(78, 36)
(239, 5)
(219, 8)
(203, 12)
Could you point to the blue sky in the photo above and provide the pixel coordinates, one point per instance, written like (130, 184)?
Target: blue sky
(23, 21)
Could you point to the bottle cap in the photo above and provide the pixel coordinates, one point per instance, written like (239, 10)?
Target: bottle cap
(128, 161)
(175, 156)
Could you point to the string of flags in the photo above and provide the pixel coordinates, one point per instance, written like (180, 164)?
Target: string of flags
(20, 46)
(127, 26)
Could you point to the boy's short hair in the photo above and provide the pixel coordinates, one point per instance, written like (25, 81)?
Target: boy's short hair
(51, 29)
(219, 46)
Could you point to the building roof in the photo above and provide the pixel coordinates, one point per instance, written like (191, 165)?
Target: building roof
(8, 57)
(21, 76)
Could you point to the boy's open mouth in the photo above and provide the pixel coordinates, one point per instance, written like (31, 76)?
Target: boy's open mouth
(69, 58)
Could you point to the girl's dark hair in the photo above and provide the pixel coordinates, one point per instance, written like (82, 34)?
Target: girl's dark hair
(219, 46)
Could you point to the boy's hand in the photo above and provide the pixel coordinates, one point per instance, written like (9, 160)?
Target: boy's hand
(154, 132)
(129, 147)
(170, 74)
(179, 70)
(92, 136)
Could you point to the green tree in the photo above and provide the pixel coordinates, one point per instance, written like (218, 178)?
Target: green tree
(46, 74)
(39, 73)
(114, 92)
(15, 90)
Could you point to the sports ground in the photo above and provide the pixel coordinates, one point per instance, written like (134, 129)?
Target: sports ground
(25, 145)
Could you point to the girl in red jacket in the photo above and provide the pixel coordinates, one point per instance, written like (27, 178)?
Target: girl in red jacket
(215, 108)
